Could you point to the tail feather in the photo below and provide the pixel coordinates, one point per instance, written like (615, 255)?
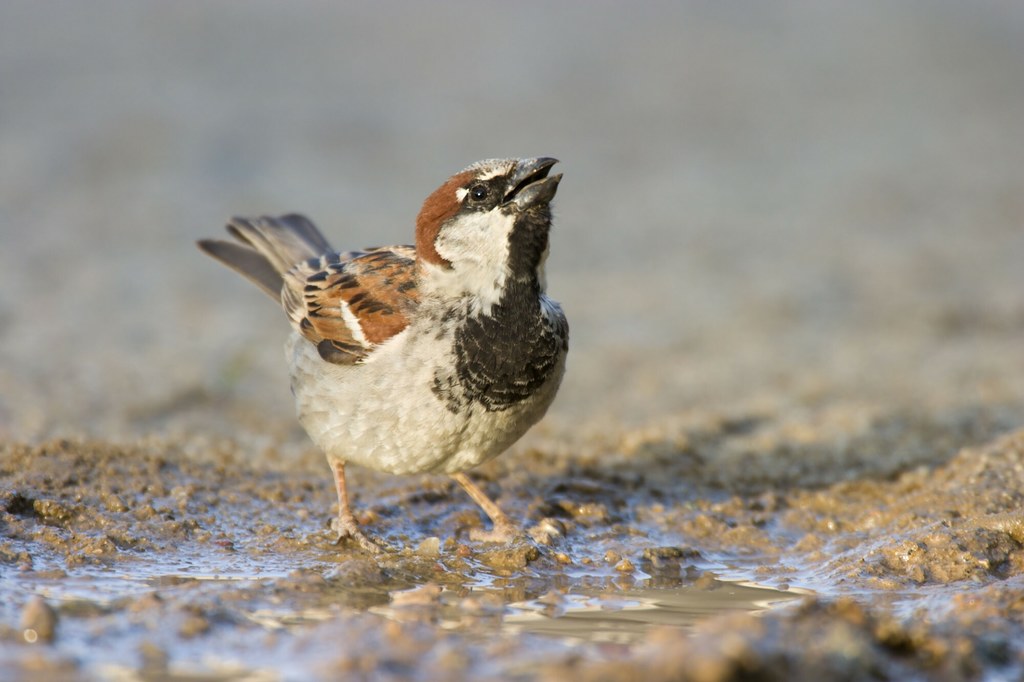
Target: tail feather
(247, 262)
(267, 247)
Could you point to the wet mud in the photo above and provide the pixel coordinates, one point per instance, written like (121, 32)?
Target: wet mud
(147, 560)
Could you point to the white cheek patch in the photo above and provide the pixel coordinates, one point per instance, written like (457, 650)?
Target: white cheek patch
(480, 238)
(477, 246)
(461, 193)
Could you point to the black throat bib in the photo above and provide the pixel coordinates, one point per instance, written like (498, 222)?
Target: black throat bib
(503, 358)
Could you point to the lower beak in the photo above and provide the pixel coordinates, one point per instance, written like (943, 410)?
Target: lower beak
(531, 184)
(540, 192)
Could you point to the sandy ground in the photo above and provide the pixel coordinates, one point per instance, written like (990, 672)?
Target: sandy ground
(790, 241)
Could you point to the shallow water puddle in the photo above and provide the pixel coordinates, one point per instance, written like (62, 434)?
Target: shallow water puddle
(580, 606)
(105, 585)
(201, 610)
(624, 617)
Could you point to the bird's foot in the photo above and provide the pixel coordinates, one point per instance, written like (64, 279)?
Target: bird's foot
(351, 532)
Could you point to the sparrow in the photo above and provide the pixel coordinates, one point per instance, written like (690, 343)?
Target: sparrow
(432, 357)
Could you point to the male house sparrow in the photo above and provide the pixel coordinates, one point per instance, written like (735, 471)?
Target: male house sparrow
(427, 358)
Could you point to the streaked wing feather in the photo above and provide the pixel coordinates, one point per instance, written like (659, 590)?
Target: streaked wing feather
(346, 304)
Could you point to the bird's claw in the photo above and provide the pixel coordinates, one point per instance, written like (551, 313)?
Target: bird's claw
(347, 532)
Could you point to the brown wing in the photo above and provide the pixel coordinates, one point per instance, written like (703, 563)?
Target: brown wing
(346, 304)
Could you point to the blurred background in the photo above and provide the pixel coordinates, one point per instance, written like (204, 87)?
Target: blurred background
(767, 207)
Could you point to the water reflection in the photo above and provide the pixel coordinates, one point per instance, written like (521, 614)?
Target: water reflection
(623, 616)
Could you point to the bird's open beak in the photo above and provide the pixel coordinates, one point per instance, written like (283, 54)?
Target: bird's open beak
(531, 184)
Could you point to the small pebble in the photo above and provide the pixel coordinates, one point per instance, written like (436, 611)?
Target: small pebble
(515, 557)
(193, 626)
(668, 554)
(547, 531)
(154, 659)
(625, 566)
(430, 547)
(38, 621)
(114, 503)
(424, 595)
(706, 582)
(552, 598)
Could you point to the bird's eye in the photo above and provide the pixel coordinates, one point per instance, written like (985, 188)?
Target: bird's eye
(479, 192)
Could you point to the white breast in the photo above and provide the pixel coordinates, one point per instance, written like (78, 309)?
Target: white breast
(385, 415)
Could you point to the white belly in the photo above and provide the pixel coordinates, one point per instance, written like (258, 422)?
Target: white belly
(385, 415)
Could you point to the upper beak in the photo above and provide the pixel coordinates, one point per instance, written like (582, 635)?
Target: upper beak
(531, 184)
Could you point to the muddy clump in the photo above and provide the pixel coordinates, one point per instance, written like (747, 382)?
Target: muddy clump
(161, 552)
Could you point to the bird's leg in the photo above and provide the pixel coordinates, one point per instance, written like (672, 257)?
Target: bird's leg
(346, 523)
(504, 530)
